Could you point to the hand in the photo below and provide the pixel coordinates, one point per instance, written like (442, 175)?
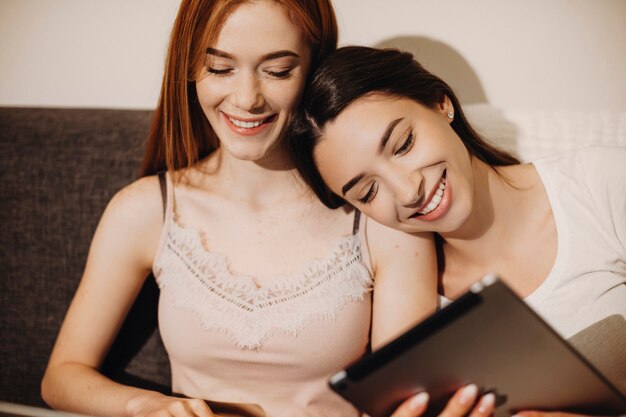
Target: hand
(154, 404)
(459, 405)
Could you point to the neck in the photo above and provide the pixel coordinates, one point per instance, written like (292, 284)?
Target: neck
(500, 206)
(258, 183)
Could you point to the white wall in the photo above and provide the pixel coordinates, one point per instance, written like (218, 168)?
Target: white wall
(565, 54)
(548, 53)
(83, 53)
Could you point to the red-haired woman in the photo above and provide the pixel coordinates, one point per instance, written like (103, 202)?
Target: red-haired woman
(265, 292)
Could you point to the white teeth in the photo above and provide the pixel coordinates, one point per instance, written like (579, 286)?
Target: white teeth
(246, 125)
(434, 202)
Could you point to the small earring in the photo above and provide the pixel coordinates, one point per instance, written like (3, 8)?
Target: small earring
(450, 115)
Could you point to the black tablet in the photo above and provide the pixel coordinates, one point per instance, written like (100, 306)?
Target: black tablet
(488, 336)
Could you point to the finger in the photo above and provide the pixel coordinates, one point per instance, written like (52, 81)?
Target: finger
(461, 402)
(485, 406)
(181, 408)
(200, 408)
(413, 407)
(160, 413)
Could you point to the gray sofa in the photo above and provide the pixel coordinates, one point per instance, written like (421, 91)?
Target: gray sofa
(59, 168)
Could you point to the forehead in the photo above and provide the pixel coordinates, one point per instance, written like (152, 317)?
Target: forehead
(365, 120)
(258, 27)
(349, 144)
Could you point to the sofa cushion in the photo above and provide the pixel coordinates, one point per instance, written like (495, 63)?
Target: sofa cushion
(59, 168)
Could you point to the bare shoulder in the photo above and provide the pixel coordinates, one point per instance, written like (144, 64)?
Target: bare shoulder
(405, 277)
(385, 241)
(133, 219)
(139, 203)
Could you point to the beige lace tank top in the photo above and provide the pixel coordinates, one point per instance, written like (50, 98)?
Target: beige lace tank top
(231, 341)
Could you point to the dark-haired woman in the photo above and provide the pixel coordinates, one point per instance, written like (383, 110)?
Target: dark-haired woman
(381, 133)
(264, 291)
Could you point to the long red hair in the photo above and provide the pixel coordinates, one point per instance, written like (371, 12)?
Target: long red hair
(180, 134)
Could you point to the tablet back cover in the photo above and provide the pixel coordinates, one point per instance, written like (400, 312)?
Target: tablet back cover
(490, 337)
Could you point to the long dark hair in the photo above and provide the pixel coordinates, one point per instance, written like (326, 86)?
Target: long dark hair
(353, 72)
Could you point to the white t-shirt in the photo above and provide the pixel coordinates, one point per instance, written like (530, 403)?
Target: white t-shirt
(584, 296)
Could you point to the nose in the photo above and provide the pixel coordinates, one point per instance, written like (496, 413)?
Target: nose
(407, 187)
(248, 93)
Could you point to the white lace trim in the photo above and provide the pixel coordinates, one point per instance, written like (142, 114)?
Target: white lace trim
(201, 281)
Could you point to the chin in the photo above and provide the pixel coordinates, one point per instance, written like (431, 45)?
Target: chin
(249, 151)
(455, 223)
(248, 156)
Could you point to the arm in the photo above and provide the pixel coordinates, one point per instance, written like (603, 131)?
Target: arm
(405, 292)
(120, 257)
(405, 280)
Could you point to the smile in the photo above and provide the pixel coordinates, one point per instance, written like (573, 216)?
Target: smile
(436, 198)
(438, 203)
(249, 126)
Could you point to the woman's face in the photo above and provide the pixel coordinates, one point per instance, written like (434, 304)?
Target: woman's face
(253, 78)
(399, 162)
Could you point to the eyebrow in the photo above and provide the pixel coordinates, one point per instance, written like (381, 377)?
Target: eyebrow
(383, 142)
(351, 184)
(385, 138)
(266, 57)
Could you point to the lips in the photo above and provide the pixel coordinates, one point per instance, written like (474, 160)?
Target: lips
(435, 199)
(247, 126)
(437, 203)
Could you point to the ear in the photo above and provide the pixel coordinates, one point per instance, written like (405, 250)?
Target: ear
(446, 108)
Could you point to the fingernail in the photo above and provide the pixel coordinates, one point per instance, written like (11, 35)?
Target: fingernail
(487, 403)
(418, 401)
(468, 394)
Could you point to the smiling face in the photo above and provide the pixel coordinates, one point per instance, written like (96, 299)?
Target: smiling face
(398, 162)
(253, 79)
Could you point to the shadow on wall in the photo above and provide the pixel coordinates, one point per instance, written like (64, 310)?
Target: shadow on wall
(443, 61)
(448, 64)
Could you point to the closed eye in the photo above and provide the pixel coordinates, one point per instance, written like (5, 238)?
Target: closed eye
(280, 74)
(371, 193)
(406, 146)
(216, 71)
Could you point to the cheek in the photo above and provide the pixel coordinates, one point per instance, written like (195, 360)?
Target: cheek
(284, 94)
(383, 208)
(211, 92)
(381, 213)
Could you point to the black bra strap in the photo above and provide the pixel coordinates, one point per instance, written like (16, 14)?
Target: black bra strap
(163, 184)
(357, 222)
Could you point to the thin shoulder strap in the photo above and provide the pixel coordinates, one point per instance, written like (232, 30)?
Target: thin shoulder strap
(357, 222)
(163, 184)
